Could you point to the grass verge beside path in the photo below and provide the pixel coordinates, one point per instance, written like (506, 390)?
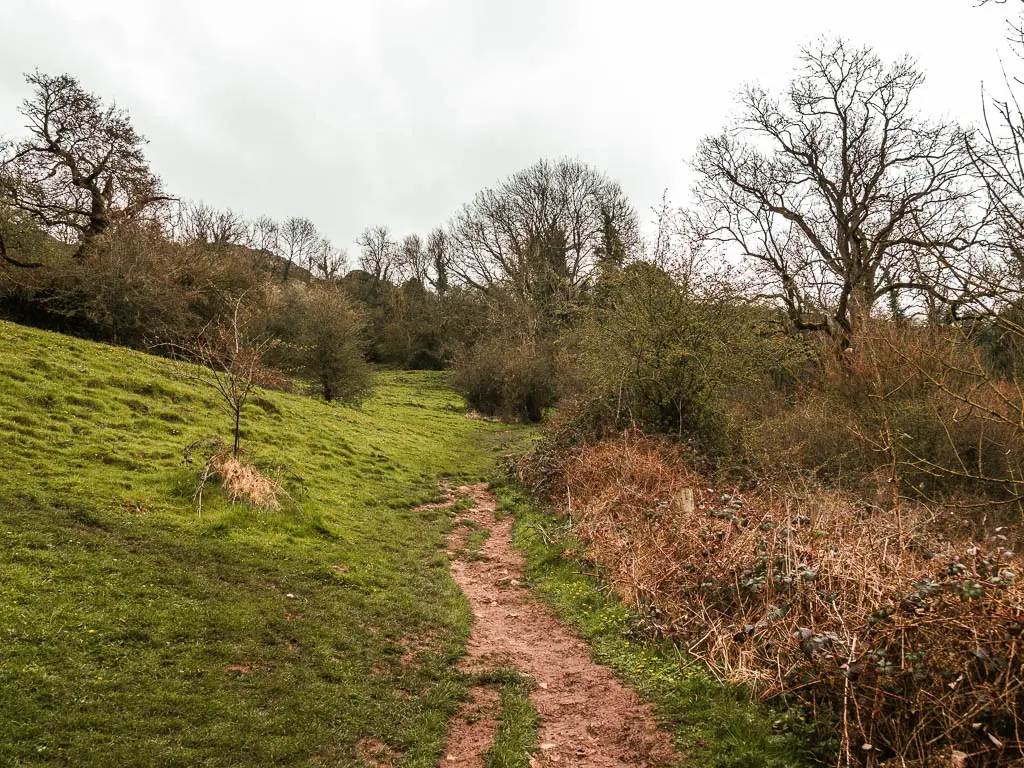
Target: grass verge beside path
(133, 632)
(713, 724)
(516, 739)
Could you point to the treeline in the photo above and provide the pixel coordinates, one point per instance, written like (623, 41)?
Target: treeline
(838, 241)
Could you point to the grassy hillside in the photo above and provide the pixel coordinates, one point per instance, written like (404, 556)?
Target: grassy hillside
(136, 632)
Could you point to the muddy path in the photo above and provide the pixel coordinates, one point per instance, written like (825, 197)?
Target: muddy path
(587, 717)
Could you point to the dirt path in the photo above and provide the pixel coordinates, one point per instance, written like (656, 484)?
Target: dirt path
(587, 717)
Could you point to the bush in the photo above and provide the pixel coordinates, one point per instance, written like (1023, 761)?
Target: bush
(654, 353)
(902, 624)
(906, 404)
(511, 379)
(324, 339)
(137, 289)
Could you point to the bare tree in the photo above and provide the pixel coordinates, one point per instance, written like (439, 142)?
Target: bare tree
(202, 224)
(229, 358)
(542, 232)
(264, 235)
(838, 193)
(378, 255)
(325, 260)
(81, 169)
(413, 261)
(297, 238)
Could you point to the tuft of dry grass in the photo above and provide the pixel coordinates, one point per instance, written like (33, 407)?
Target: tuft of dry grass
(902, 622)
(245, 482)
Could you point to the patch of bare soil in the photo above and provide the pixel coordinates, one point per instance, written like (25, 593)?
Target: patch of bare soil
(376, 754)
(472, 731)
(588, 718)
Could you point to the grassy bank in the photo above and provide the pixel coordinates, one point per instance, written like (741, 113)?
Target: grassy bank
(136, 632)
(713, 723)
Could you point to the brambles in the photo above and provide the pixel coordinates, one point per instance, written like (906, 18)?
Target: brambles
(903, 627)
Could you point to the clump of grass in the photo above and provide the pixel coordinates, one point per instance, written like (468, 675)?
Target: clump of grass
(241, 481)
(246, 482)
(473, 547)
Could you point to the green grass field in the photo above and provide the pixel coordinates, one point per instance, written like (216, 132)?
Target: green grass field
(135, 632)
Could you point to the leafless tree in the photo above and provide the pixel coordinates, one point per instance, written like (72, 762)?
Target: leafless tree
(81, 169)
(542, 232)
(325, 260)
(413, 261)
(264, 235)
(229, 358)
(838, 193)
(378, 254)
(200, 223)
(297, 239)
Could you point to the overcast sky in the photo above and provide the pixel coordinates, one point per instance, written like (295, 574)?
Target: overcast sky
(397, 111)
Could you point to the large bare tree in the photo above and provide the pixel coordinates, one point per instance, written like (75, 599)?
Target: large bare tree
(81, 169)
(297, 240)
(838, 192)
(378, 255)
(542, 232)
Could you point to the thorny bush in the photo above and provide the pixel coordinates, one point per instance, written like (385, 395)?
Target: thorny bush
(901, 625)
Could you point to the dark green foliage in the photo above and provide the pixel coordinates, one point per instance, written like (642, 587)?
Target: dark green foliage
(1000, 338)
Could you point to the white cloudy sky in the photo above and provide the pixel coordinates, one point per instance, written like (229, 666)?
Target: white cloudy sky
(397, 111)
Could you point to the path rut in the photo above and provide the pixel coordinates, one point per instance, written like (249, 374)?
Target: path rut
(587, 717)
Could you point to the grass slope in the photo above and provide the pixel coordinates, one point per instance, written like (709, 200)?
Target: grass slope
(136, 633)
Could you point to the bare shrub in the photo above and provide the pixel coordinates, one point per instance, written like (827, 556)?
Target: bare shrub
(902, 624)
(231, 360)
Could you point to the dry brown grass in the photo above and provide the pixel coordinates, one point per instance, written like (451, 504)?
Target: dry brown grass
(900, 621)
(244, 482)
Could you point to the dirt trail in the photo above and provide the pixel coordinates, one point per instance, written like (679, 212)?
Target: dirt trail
(588, 718)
